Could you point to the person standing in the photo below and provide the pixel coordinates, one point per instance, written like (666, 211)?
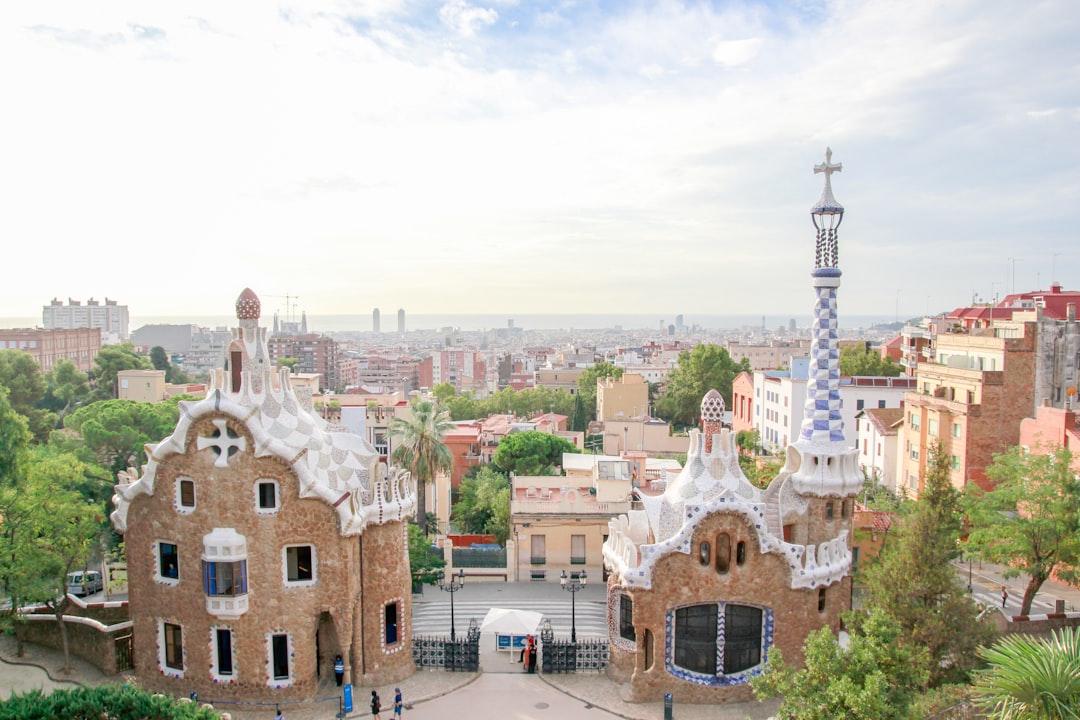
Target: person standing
(1004, 596)
(398, 703)
(376, 705)
(339, 669)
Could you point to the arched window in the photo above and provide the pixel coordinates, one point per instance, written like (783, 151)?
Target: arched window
(829, 511)
(704, 553)
(718, 639)
(821, 600)
(723, 552)
(740, 552)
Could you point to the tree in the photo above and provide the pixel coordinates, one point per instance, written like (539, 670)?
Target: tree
(443, 392)
(483, 505)
(1030, 521)
(424, 560)
(161, 361)
(289, 362)
(1028, 677)
(20, 374)
(913, 581)
(67, 387)
(749, 441)
(875, 677)
(48, 530)
(587, 384)
(704, 368)
(110, 361)
(531, 452)
(579, 416)
(858, 360)
(14, 437)
(419, 447)
(114, 431)
(104, 701)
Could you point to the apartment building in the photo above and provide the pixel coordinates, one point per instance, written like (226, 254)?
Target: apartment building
(111, 318)
(48, 347)
(876, 430)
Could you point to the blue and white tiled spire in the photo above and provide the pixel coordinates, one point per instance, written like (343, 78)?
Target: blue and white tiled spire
(828, 463)
(822, 422)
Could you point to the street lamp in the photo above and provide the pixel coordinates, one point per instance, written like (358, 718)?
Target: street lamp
(451, 587)
(573, 585)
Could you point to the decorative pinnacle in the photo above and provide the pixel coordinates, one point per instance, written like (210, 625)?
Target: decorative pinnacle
(828, 205)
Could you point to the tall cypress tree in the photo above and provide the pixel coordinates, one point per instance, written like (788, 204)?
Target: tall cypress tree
(913, 579)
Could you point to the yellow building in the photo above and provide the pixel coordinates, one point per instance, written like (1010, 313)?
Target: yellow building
(141, 385)
(622, 399)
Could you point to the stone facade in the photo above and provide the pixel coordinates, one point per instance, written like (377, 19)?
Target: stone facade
(261, 542)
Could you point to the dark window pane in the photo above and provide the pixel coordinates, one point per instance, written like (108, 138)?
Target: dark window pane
(267, 496)
(695, 638)
(390, 615)
(298, 560)
(169, 561)
(174, 647)
(224, 652)
(742, 638)
(187, 493)
(626, 618)
(280, 648)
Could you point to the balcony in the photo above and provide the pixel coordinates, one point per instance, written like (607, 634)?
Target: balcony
(564, 507)
(227, 607)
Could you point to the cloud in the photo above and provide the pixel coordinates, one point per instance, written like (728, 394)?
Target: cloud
(730, 53)
(466, 19)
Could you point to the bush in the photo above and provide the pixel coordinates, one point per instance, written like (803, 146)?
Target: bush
(94, 703)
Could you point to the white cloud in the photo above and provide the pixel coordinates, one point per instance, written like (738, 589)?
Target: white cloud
(466, 19)
(731, 53)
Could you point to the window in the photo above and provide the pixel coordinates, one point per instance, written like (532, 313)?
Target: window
(740, 552)
(266, 496)
(881, 403)
(174, 646)
(626, 618)
(539, 552)
(279, 657)
(855, 559)
(227, 579)
(168, 561)
(821, 600)
(705, 553)
(185, 494)
(718, 639)
(956, 429)
(577, 549)
(390, 624)
(865, 446)
(915, 421)
(845, 508)
(223, 651)
(829, 510)
(932, 427)
(955, 462)
(723, 552)
(300, 564)
(914, 454)
(860, 404)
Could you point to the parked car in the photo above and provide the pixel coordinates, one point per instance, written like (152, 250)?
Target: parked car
(84, 582)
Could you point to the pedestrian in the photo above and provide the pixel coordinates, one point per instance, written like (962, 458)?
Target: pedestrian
(531, 656)
(339, 669)
(1004, 596)
(376, 705)
(277, 714)
(399, 704)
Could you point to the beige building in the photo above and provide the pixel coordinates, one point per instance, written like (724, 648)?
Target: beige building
(262, 541)
(622, 399)
(644, 434)
(141, 385)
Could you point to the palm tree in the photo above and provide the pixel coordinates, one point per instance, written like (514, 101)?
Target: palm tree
(419, 447)
(1032, 678)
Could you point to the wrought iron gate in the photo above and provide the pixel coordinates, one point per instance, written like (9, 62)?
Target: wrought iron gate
(123, 649)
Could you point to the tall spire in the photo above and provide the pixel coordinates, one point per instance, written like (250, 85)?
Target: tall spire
(823, 424)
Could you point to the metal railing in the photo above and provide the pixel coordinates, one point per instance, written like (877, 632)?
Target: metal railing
(479, 557)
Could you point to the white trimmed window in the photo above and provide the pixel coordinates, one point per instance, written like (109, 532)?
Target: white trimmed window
(278, 667)
(267, 497)
(171, 649)
(222, 652)
(185, 495)
(224, 573)
(167, 562)
(299, 565)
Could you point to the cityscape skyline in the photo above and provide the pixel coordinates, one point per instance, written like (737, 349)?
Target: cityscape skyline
(511, 159)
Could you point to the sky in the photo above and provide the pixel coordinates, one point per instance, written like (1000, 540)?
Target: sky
(562, 156)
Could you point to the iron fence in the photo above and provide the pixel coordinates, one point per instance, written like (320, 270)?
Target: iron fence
(439, 651)
(479, 557)
(559, 656)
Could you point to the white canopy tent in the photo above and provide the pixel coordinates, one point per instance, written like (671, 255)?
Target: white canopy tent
(510, 624)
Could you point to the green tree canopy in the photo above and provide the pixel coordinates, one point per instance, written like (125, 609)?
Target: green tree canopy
(67, 388)
(112, 431)
(20, 374)
(1030, 521)
(522, 403)
(531, 452)
(483, 505)
(913, 580)
(587, 385)
(424, 561)
(1029, 677)
(859, 360)
(110, 361)
(14, 437)
(876, 677)
(419, 447)
(705, 367)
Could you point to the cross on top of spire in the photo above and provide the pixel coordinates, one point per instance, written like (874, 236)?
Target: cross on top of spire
(828, 205)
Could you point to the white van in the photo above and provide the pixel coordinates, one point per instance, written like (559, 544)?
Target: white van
(84, 582)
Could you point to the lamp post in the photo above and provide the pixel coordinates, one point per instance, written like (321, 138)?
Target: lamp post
(573, 585)
(451, 587)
